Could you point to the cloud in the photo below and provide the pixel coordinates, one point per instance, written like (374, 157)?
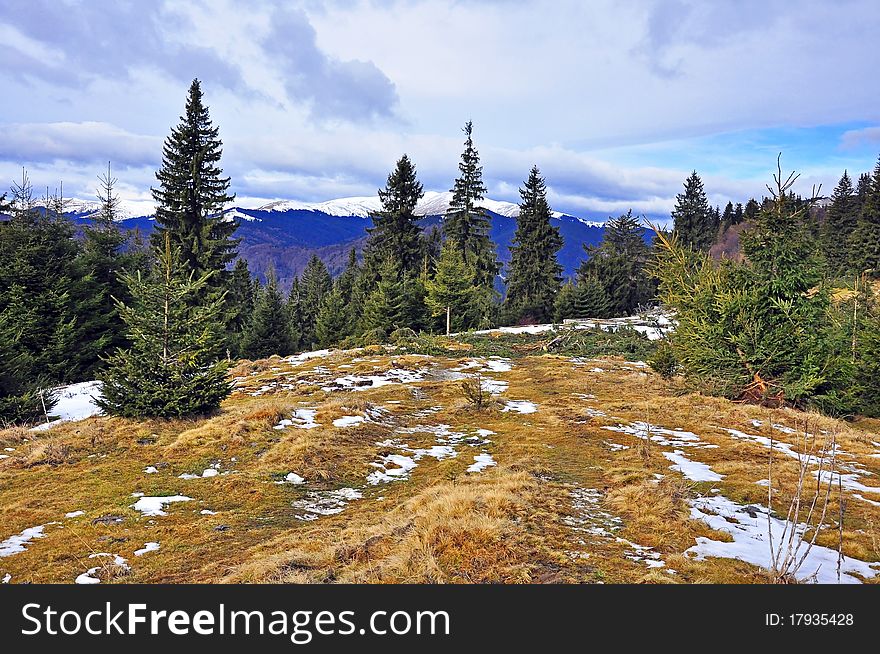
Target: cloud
(354, 90)
(855, 138)
(87, 142)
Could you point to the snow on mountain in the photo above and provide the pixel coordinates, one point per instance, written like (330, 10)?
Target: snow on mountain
(434, 203)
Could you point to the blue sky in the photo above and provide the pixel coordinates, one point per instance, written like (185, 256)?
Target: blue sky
(616, 102)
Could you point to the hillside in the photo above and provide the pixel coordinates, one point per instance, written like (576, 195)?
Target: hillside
(370, 466)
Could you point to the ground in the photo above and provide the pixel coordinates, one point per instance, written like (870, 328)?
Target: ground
(371, 465)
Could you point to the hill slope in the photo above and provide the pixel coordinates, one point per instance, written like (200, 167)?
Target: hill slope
(370, 466)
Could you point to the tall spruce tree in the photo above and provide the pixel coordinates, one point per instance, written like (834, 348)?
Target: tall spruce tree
(584, 299)
(333, 322)
(314, 284)
(865, 239)
(465, 222)
(840, 223)
(395, 232)
(268, 331)
(534, 275)
(695, 221)
(191, 195)
(172, 368)
(727, 218)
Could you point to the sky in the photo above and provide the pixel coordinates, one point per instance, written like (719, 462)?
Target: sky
(615, 102)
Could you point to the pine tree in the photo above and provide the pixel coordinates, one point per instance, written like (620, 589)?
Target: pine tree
(102, 260)
(333, 322)
(396, 302)
(39, 285)
(268, 330)
(695, 221)
(191, 197)
(466, 222)
(172, 368)
(865, 239)
(294, 314)
(840, 223)
(395, 232)
(452, 293)
(585, 299)
(738, 214)
(751, 210)
(239, 305)
(534, 275)
(620, 265)
(314, 284)
(727, 218)
(863, 188)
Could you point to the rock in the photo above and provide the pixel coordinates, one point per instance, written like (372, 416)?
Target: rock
(110, 519)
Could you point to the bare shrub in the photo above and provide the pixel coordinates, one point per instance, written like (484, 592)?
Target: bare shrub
(473, 391)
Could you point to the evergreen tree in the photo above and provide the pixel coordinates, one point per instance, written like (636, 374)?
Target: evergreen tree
(396, 302)
(727, 218)
(102, 260)
(293, 311)
(840, 223)
(534, 274)
(172, 368)
(863, 188)
(38, 287)
(333, 322)
(865, 240)
(466, 222)
(395, 232)
(695, 221)
(314, 284)
(751, 211)
(585, 299)
(738, 214)
(620, 265)
(452, 293)
(191, 197)
(239, 306)
(268, 330)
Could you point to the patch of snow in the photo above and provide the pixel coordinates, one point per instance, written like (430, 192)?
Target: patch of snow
(301, 419)
(363, 383)
(748, 525)
(88, 577)
(150, 470)
(520, 406)
(75, 402)
(865, 499)
(331, 502)
(481, 461)
(292, 478)
(385, 474)
(692, 470)
(74, 514)
(302, 357)
(616, 447)
(16, 543)
(154, 506)
(7, 578)
(660, 435)
(348, 421)
(148, 547)
(849, 481)
(494, 386)
(207, 512)
(498, 364)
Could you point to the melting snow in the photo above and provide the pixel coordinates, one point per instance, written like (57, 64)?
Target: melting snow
(88, 577)
(75, 402)
(481, 461)
(748, 525)
(292, 478)
(348, 421)
(302, 357)
(74, 514)
(154, 506)
(393, 376)
(692, 470)
(302, 419)
(16, 543)
(520, 406)
(318, 503)
(150, 470)
(148, 547)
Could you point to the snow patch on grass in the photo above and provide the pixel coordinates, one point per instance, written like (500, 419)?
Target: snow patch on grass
(520, 406)
(748, 525)
(692, 470)
(481, 462)
(301, 419)
(155, 506)
(321, 503)
(148, 547)
(88, 577)
(75, 402)
(16, 543)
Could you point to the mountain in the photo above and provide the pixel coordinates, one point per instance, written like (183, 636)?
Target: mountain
(286, 233)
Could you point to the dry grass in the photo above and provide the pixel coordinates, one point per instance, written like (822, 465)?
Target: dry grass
(508, 524)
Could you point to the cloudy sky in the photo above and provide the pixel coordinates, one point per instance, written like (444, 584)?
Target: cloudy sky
(615, 101)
